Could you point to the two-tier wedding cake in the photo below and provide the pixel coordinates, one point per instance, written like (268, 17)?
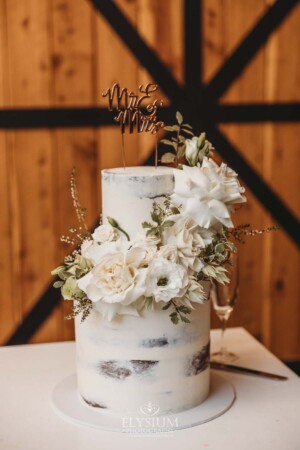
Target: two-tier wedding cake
(140, 281)
(131, 360)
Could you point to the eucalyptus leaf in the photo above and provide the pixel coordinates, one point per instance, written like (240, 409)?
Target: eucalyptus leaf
(181, 151)
(58, 284)
(58, 270)
(185, 319)
(146, 225)
(174, 318)
(188, 131)
(187, 125)
(231, 246)
(184, 309)
(155, 217)
(219, 248)
(168, 223)
(168, 158)
(201, 140)
(171, 128)
(167, 306)
(152, 232)
(179, 117)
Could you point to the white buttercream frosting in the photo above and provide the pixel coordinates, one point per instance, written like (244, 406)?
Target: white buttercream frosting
(132, 360)
(128, 195)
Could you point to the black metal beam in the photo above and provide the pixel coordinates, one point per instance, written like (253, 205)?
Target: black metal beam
(245, 51)
(192, 42)
(256, 112)
(36, 316)
(76, 117)
(55, 117)
(147, 57)
(262, 191)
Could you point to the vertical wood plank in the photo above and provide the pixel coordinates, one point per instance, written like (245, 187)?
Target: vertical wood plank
(9, 316)
(224, 25)
(74, 84)
(31, 157)
(281, 311)
(115, 64)
(161, 26)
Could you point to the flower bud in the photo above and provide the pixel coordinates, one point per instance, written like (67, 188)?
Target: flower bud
(192, 151)
(112, 222)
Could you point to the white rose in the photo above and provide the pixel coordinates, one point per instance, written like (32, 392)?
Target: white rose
(116, 278)
(188, 238)
(149, 246)
(95, 252)
(168, 252)
(166, 280)
(110, 310)
(192, 150)
(142, 239)
(84, 250)
(207, 193)
(104, 233)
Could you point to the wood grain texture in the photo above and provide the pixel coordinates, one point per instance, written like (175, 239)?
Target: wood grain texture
(11, 314)
(63, 53)
(224, 27)
(161, 26)
(31, 200)
(73, 84)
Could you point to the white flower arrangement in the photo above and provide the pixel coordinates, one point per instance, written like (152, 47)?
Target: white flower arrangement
(186, 242)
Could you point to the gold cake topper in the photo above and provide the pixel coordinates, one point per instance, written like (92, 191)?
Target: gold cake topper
(132, 112)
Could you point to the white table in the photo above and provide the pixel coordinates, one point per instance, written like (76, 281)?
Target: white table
(266, 414)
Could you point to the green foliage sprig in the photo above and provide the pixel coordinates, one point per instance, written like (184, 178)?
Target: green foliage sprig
(74, 268)
(159, 216)
(178, 142)
(179, 313)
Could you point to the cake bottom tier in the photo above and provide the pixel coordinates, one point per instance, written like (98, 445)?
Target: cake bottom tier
(135, 363)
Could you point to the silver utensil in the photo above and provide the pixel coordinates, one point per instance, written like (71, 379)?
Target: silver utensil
(246, 370)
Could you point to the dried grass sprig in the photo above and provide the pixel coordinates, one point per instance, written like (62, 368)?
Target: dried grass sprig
(80, 211)
(244, 230)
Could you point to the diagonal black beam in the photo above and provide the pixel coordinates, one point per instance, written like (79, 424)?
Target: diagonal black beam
(235, 64)
(39, 312)
(262, 191)
(36, 316)
(192, 42)
(148, 58)
(259, 112)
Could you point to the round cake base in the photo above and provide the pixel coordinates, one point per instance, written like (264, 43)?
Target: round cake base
(68, 405)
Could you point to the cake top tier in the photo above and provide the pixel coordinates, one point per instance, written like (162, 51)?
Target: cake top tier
(128, 194)
(139, 171)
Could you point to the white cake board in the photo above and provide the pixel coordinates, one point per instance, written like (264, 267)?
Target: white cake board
(68, 404)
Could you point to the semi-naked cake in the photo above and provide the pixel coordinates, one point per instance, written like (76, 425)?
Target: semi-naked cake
(131, 360)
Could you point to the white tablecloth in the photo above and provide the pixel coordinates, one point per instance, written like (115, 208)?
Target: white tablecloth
(265, 416)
